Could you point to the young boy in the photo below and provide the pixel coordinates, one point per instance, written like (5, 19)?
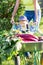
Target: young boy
(21, 26)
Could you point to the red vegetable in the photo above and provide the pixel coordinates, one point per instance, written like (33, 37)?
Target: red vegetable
(28, 37)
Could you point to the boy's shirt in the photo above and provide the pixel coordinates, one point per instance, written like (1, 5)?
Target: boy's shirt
(15, 27)
(31, 28)
(19, 27)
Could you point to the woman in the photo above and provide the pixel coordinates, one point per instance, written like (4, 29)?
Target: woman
(32, 9)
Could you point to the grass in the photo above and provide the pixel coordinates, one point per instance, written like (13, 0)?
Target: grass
(24, 61)
(10, 62)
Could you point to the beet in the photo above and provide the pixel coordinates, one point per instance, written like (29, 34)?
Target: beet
(28, 37)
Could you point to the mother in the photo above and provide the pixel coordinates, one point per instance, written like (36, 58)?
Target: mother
(32, 11)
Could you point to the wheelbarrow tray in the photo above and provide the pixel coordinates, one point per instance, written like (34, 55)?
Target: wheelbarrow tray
(31, 45)
(30, 42)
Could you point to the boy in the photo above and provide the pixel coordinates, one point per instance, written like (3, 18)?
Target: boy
(21, 26)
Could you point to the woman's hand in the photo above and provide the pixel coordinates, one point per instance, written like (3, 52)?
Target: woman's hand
(35, 23)
(12, 21)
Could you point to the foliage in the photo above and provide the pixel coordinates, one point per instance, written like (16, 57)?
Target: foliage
(6, 9)
(6, 45)
(5, 24)
(8, 51)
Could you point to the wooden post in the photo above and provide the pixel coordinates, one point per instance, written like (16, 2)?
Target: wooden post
(17, 60)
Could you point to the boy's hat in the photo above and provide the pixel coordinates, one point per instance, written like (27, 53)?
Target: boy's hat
(22, 18)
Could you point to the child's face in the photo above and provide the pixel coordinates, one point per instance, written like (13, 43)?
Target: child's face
(16, 23)
(23, 22)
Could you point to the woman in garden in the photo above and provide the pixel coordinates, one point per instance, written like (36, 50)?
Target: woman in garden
(32, 11)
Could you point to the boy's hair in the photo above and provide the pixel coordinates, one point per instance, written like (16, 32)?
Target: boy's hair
(23, 18)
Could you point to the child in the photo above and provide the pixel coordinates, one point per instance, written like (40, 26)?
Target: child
(21, 26)
(23, 21)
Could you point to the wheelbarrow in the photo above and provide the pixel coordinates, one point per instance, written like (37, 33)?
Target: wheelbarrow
(30, 43)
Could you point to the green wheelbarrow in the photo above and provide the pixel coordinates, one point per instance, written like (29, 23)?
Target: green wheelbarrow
(30, 43)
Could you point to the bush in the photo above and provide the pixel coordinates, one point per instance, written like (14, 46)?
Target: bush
(6, 9)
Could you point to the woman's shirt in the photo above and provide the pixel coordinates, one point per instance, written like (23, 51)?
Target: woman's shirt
(28, 4)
